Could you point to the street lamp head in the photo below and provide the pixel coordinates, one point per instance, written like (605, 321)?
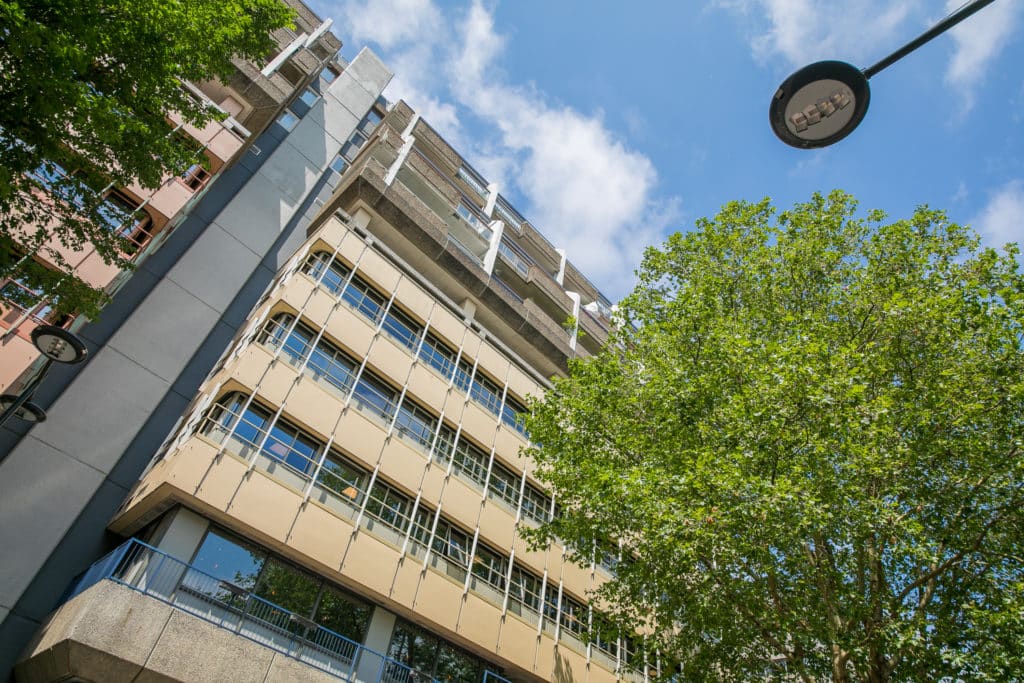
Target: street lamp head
(58, 344)
(820, 104)
(27, 411)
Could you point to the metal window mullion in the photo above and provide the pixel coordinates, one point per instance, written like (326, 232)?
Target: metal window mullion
(558, 611)
(508, 580)
(412, 520)
(433, 535)
(590, 627)
(543, 601)
(291, 331)
(455, 445)
(398, 408)
(437, 436)
(384, 310)
(522, 494)
(366, 498)
(501, 405)
(315, 341)
(270, 425)
(487, 477)
(470, 559)
(423, 337)
(319, 466)
(238, 418)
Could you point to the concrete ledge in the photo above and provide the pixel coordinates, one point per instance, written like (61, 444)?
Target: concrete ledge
(113, 633)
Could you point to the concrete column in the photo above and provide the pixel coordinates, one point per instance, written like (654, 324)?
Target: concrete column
(180, 533)
(378, 638)
(497, 230)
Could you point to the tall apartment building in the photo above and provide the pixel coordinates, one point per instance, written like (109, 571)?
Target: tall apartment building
(303, 434)
(251, 100)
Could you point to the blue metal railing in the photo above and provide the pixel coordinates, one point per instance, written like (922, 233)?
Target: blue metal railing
(156, 574)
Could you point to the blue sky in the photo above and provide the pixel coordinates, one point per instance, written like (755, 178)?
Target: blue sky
(611, 124)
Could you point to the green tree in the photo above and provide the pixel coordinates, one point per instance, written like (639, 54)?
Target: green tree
(84, 90)
(806, 435)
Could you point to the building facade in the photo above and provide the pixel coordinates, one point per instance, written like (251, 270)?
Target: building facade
(304, 436)
(250, 101)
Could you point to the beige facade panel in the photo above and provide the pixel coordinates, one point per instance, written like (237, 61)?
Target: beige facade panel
(479, 424)
(263, 503)
(428, 387)
(351, 330)
(439, 599)
(446, 325)
(480, 621)
(413, 299)
(390, 360)
(461, 501)
(374, 268)
(370, 561)
(507, 444)
(320, 535)
(497, 524)
(319, 407)
(402, 464)
(360, 436)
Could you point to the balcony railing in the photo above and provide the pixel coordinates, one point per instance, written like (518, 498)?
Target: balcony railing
(156, 574)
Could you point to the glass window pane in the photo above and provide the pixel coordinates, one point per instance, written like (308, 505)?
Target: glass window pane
(288, 587)
(230, 560)
(343, 614)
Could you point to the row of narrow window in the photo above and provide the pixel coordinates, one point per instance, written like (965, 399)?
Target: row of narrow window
(371, 303)
(337, 371)
(252, 431)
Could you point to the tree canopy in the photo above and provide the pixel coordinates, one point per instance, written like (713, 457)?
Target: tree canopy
(806, 436)
(85, 88)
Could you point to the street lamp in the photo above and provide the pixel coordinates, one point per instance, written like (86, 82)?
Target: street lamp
(822, 103)
(58, 346)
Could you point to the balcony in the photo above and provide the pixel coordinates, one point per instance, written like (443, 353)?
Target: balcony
(139, 609)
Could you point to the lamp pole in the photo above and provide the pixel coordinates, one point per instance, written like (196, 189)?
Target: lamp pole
(58, 346)
(823, 102)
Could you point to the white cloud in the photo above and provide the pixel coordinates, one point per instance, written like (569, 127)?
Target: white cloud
(1002, 219)
(805, 31)
(388, 22)
(585, 189)
(978, 40)
(588, 192)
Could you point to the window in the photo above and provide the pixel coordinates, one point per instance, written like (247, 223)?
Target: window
(451, 549)
(574, 616)
(437, 355)
(524, 591)
(328, 74)
(121, 216)
(486, 392)
(244, 566)
(331, 273)
(415, 424)
(470, 462)
(504, 486)
(326, 364)
(288, 120)
(536, 504)
(388, 506)
(513, 413)
(343, 479)
(309, 97)
(338, 164)
(490, 567)
(402, 328)
(195, 177)
(373, 396)
(278, 442)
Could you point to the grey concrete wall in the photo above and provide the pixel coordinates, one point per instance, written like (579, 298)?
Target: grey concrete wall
(113, 633)
(63, 480)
